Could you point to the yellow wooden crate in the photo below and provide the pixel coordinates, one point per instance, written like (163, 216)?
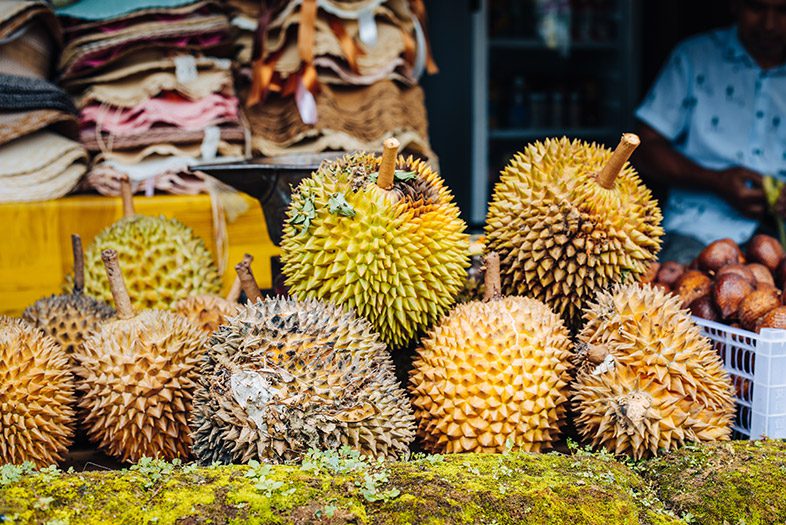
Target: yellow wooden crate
(35, 241)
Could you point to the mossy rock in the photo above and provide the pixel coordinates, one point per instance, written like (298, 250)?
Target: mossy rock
(478, 489)
(733, 483)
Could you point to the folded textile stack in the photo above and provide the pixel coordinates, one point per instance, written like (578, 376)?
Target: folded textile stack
(39, 156)
(154, 88)
(339, 75)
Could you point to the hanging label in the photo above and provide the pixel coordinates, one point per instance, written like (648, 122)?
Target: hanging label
(367, 27)
(185, 69)
(306, 104)
(210, 141)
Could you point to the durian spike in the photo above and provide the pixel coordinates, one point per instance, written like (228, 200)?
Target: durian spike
(247, 281)
(234, 292)
(628, 143)
(79, 263)
(128, 196)
(491, 278)
(387, 168)
(117, 285)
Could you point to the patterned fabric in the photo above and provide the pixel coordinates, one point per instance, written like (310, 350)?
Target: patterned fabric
(720, 109)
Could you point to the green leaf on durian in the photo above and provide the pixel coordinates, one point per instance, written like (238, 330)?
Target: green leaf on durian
(338, 205)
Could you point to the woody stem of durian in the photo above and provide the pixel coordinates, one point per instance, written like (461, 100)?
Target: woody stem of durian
(635, 406)
(117, 285)
(128, 198)
(608, 174)
(234, 292)
(79, 263)
(247, 281)
(491, 279)
(387, 167)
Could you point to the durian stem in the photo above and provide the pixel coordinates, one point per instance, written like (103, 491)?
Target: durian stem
(79, 263)
(625, 149)
(247, 281)
(234, 292)
(117, 285)
(128, 197)
(387, 168)
(636, 406)
(492, 279)
(596, 354)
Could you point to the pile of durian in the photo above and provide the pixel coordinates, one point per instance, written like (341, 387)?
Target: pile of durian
(376, 258)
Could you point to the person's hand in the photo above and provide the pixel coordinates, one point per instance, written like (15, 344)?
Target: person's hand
(742, 188)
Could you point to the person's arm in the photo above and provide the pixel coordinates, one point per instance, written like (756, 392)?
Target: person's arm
(657, 160)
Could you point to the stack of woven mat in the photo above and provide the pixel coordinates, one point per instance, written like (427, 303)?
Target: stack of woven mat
(39, 156)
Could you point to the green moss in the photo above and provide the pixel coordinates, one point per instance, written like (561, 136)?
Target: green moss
(741, 482)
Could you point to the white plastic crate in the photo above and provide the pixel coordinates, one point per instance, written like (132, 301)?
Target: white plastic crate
(757, 365)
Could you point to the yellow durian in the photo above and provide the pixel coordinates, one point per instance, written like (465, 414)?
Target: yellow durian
(492, 374)
(380, 236)
(570, 219)
(648, 380)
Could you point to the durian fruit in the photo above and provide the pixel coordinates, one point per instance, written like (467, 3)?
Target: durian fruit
(493, 373)
(570, 218)
(36, 397)
(210, 311)
(380, 236)
(69, 318)
(137, 376)
(648, 380)
(285, 376)
(163, 260)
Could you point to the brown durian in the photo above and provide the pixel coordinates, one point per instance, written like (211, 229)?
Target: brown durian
(285, 376)
(492, 374)
(69, 318)
(36, 397)
(660, 385)
(569, 219)
(210, 311)
(137, 375)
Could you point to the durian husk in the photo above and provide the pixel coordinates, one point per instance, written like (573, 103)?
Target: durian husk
(561, 235)
(492, 375)
(68, 318)
(162, 259)
(399, 261)
(136, 378)
(208, 312)
(660, 384)
(285, 376)
(36, 397)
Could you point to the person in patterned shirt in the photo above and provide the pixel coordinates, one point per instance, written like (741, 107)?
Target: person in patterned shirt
(714, 123)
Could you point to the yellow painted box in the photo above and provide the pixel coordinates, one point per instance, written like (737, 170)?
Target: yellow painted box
(35, 239)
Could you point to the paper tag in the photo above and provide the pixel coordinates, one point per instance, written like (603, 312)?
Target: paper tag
(209, 147)
(185, 69)
(367, 27)
(306, 104)
(150, 186)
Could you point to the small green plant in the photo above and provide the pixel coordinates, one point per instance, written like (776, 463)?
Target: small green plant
(370, 487)
(154, 470)
(13, 473)
(342, 461)
(328, 512)
(432, 459)
(259, 473)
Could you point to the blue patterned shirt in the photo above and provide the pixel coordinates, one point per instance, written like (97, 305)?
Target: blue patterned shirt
(720, 109)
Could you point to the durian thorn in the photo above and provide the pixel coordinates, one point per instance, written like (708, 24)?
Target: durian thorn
(234, 292)
(387, 168)
(247, 281)
(117, 285)
(608, 174)
(79, 263)
(127, 195)
(491, 278)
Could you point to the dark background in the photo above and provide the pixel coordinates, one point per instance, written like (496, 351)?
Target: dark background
(449, 95)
